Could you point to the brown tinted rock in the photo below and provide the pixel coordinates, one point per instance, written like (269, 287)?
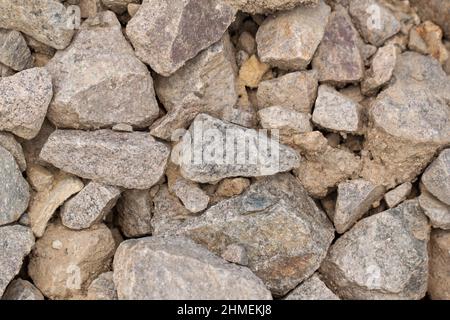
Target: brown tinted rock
(274, 220)
(65, 262)
(437, 177)
(24, 101)
(439, 279)
(9, 143)
(190, 27)
(107, 85)
(205, 84)
(288, 121)
(89, 206)
(312, 289)
(338, 59)
(296, 90)
(381, 69)
(135, 213)
(5, 71)
(232, 187)
(16, 243)
(383, 256)
(14, 189)
(431, 35)
(130, 160)
(235, 253)
(398, 195)
(102, 288)
(47, 21)
(14, 51)
(247, 43)
(39, 177)
(436, 11)
(252, 72)
(267, 6)
(32, 147)
(436, 211)
(118, 6)
(22, 290)
(185, 270)
(289, 39)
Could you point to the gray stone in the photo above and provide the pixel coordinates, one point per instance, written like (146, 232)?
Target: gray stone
(436, 211)
(64, 262)
(189, 27)
(439, 279)
(24, 101)
(398, 195)
(375, 22)
(98, 81)
(102, 288)
(312, 289)
(22, 290)
(274, 220)
(16, 243)
(289, 39)
(14, 51)
(134, 210)
(205, 161)
(185, 271)
(89, 206)
(5, 71)
(437, 177)
(118, 6)
(383, 256)
(338, 60)
(354, 200)
(236, 253)
(381, 70)
(14, 189)
(130, 160)
(296, 90)
(336, 112)
(206, 83)
(8, 142)
(268, 6)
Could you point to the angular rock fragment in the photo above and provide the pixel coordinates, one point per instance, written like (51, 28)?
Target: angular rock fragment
(381, 70)
(39, 177)
(185, 271)
(189, 27)
(439, 279)
(274, 220)
(14, 189)
(5, 71)
(434, 10)
(22, 290)
(354, 199)
(118, 6)
(289, 39)
(24, 100)
(90, 8)
(102, 288)
(235, 253)
(14, 51)
(252, 72)
(267, 6)
(47, 21)
(383, 256)
(213, 150)
(296, 90)
(247, 43)
(232, 187)
(312, 289)
(427, 39)
(336, 112)
(16, 243)
(65, 262)
(89, 206)
(375, 22)
(436, 211)
(398, 195)
(9, 143)
(130, 160)
(44, 203)
(338, 60)
(436, 178)
(98, 82)
(134, 210)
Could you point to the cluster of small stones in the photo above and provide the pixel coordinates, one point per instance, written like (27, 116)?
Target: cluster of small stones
(98, 198)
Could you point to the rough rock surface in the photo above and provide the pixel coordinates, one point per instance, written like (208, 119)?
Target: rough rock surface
(16, 243)
(134, 210)
(9, 143)
(131, 160)
(47, 21)
(22, 290)
(398, 195)
(14, 51)
(434, 10)
(312, 289)
(252, 72)
(436, 178)
(185, 271)
(107, 85)
(89, 206)
(274, 221)
(14, 189)
(296, 90)
(189, 27)
(24, 101)
(436, 211)
(289, 39)
(338, 59)
(439, 279)
(236, 253)
(212, 162)
(354, 199)
(65, 262)
(383, 256)
(102, 288)
(268, 6)
(381, 70)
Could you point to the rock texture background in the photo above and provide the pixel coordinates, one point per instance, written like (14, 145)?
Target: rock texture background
(224, 149)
